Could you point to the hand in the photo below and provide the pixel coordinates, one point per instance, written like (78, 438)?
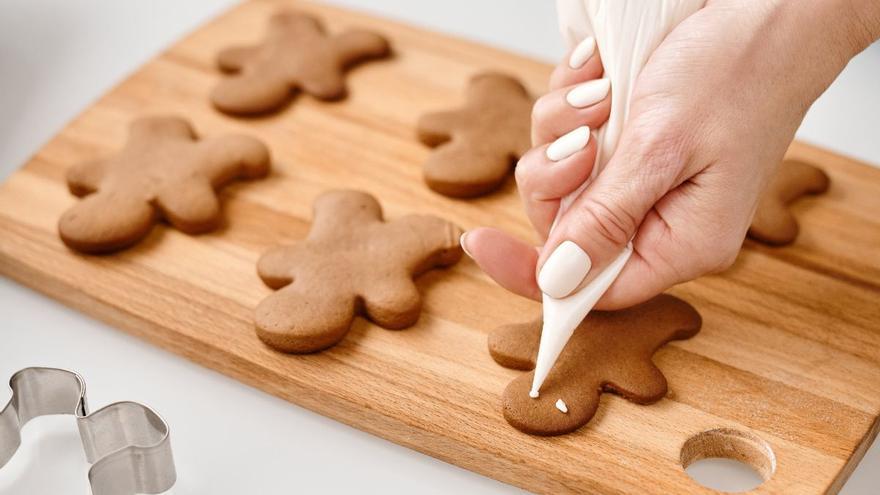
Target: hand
(712, 114)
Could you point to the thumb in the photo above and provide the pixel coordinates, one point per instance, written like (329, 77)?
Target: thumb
(606, 215)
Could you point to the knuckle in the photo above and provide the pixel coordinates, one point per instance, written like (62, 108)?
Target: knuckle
(541, 111)
(525, 168)
(606, 220)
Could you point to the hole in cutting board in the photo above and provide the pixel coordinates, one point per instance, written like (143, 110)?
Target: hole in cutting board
(728, 460)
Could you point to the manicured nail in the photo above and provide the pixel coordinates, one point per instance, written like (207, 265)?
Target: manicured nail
(588, 93)
(564, 270)
(463, 242)
(569, 144)
(582, 53)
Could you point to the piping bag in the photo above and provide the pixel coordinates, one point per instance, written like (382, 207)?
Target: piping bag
(626, 32)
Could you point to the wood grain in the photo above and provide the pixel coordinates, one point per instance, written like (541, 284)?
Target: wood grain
(789, 351)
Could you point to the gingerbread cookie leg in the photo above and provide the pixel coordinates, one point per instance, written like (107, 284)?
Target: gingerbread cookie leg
(191, 206)
(106, 222)
(291, 320)
(250, 94)
(478, 170)
(394, 303)
(246, 158)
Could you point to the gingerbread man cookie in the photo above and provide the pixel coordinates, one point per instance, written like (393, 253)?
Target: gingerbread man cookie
(773, 224)
(478, 144)
(352, 263)
(296, 55)
(609, 352)
(164, 171)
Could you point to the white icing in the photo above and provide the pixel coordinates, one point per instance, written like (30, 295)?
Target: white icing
(560, 404)
(533, 394)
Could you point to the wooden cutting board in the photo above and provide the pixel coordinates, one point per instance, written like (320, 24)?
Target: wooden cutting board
(788, 358)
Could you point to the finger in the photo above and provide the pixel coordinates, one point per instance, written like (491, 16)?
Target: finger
(508, 261)
(581, 63)
(606, 215)
(541, 181)
(557, 112)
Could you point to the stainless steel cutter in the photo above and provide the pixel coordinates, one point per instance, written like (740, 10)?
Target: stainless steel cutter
(127, 443)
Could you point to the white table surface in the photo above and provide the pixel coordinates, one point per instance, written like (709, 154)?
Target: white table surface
(58, 56)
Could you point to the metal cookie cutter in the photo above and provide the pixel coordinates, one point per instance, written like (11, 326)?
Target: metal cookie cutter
(127, 443)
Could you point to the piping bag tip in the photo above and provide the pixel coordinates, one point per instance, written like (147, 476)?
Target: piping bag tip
(562, 317)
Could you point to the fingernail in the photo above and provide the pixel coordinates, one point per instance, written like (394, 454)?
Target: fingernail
(588, 93)
(582, 52)
(564, 270)
(462, 240)
(569, 144)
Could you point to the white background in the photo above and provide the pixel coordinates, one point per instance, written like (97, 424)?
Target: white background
(56, 57)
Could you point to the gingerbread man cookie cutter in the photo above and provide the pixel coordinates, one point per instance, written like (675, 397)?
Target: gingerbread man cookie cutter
(127, 443)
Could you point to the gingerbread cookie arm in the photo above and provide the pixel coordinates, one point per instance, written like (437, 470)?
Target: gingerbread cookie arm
(516, 346)
(274, 266)
(425, 242)
(85, 177)
(190, 205)
(87, 227)
(235, 58)
(357, 45)
(436, 128)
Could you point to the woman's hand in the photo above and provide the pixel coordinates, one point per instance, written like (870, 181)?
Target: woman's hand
(712, 114)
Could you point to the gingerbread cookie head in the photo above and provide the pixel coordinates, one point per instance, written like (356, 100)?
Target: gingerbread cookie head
(609, 352)
(773, 223)
(295, 55)
(352, 263)
(478, 144)
(163, 172)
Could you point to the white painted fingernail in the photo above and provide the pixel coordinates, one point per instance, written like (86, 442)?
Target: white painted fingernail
(564, 270)
(461, 240)
(588, 93)
(582, 52)
(569, 144)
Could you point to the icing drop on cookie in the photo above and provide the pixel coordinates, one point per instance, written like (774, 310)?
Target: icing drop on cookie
(560, 404)
(534, 394)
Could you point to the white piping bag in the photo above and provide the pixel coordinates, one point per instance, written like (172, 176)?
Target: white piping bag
(626, 32)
